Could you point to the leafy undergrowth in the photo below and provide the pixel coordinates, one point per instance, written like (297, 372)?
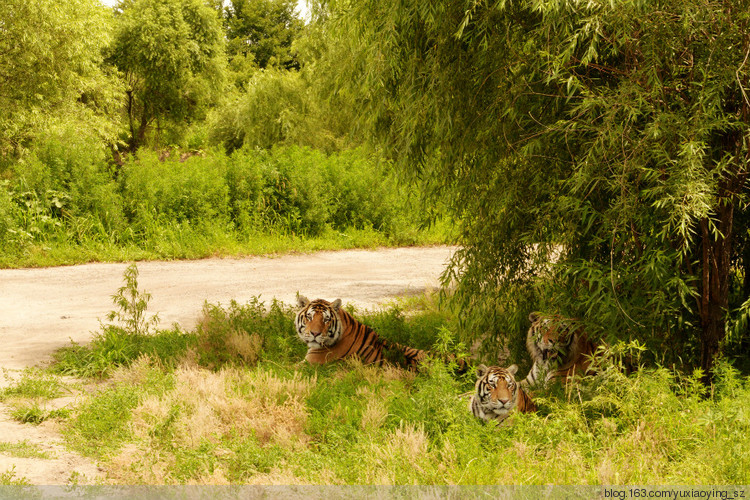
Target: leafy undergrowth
(233, 402)
(65, 205)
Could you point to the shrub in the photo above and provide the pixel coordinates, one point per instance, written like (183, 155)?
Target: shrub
(300, 190)
(167, 189)
(8, 215)
(68, 175)
(246, 183)
(131, 305)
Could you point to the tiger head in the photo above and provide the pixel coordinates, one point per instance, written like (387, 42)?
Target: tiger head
(496, 392)
(318, 323)
(548, 339)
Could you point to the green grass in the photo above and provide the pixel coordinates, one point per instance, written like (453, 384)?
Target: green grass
(34, 384)
(35, 414)
(100, 425)
(23, 449)
(27, 396)
(114, 346)
(193, 243)
(237, 405)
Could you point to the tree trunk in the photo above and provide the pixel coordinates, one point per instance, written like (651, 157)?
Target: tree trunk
(131, 111)
(716, 265)
(137, 140)
(714, 290)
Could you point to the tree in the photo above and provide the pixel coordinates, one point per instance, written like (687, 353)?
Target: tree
(51, 68)
(610, 138)
(273, 106)
(172, 55)
(262, 31)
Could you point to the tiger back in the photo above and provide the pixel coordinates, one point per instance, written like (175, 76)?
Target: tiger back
(331, 334)
(497, 394)
(558, 347)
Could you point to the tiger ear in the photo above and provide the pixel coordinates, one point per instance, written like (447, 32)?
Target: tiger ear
(512, 369)
(481, 371)
(534, 316)
(336, 304)
(302, 301)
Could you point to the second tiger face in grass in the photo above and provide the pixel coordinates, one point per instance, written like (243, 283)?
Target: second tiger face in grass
(498, 394)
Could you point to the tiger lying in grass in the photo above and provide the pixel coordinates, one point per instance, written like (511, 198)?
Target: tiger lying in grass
(331, 333)
(497, 394)
(558, 348)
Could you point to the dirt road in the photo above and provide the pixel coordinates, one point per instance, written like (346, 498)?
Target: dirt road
(44, 309)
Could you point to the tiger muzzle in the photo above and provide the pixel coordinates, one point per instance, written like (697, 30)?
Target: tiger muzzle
(548, 354)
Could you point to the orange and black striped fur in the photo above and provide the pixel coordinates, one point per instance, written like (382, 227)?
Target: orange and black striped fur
(497, 394)
(558, 348)
(331, 333)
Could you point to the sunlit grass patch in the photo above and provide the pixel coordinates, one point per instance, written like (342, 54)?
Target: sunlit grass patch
(28, 397)
(23, 449)
(36, 414)
(114, 347)
(101, 423)
(33, 384)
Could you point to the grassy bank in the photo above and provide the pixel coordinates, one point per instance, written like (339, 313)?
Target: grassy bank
(194, 243)
(65, 204)
(231, 402)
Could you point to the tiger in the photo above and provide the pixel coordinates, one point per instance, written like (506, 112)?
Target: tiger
(497, 394)
(331, 333)
(558, 348)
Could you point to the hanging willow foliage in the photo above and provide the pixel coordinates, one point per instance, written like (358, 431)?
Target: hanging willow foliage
(594, 152)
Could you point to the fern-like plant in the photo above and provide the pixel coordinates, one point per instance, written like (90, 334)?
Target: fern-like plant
(131, 305)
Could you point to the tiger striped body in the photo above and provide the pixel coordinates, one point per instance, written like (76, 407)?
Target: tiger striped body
(331, 333)
(558, 348)
(498, 394)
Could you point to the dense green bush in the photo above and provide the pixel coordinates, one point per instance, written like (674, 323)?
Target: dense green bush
(68, 174)
(8, 213)
(62, 191)
(304, 190)
(168, 189)
(293, 196)
(65, 198)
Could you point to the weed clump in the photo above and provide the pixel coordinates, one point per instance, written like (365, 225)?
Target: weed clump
(245, 334)
(119, 345)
